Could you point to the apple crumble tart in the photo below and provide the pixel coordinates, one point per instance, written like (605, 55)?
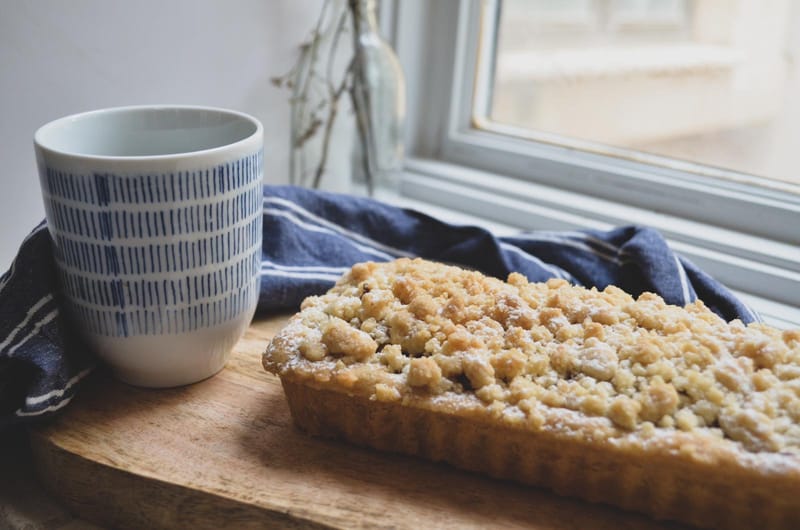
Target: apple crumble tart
(651, 407)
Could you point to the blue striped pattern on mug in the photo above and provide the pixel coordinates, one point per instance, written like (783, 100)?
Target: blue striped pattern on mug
(158, 254)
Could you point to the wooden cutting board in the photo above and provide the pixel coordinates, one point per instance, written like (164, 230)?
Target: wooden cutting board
(224, 453)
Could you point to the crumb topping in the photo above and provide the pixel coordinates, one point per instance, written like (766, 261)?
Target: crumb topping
(412, 327)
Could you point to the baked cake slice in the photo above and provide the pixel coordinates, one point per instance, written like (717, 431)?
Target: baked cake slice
(656, 408)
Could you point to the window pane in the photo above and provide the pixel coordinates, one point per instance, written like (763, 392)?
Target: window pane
(704, 81)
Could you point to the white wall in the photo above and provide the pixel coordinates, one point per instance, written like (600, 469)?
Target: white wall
(61, 57)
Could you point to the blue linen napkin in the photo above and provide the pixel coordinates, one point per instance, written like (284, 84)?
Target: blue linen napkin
(310, 239)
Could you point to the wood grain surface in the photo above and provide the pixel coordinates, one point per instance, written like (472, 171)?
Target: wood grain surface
(224, 453)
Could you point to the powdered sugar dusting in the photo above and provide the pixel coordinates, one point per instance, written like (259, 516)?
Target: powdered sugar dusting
(557, 358)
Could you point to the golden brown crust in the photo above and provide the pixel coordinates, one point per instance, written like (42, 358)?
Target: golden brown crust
(701, 493)
(568, 370)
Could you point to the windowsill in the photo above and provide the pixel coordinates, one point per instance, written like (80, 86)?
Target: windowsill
(452, 196)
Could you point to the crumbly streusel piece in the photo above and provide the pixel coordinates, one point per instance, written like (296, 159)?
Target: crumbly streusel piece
(411, 328)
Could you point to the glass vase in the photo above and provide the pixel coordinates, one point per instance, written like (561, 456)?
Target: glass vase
(379, 102)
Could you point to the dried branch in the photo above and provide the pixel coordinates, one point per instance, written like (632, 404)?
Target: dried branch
(308, 57)
(311, 117)
(340, 27)
(333, 109)
(313, 48)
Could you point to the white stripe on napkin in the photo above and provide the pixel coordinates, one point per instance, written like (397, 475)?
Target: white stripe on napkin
(565, 241)
(304, 275)
(337, 228)
(30, 401)
(584, 237)
(557, 271)
(307, 268)
(47, 318)
(313, 228)
(687, 297)
(61, 404)
(28, 316)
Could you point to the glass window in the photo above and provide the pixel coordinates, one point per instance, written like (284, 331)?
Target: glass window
(708, 82)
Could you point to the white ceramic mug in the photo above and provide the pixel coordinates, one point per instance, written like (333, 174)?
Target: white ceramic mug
(155, 216)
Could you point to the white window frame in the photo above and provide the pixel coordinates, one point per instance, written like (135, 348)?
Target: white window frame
(741, 229)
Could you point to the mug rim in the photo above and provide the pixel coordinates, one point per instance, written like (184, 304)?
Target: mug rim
(59, 122)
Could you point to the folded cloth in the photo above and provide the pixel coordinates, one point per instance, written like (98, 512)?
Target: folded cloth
(310, 239)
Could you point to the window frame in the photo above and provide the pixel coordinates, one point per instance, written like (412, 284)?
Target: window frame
(457, 162)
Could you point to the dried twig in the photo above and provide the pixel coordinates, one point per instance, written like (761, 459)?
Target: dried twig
(333, 109)
(306, 119)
